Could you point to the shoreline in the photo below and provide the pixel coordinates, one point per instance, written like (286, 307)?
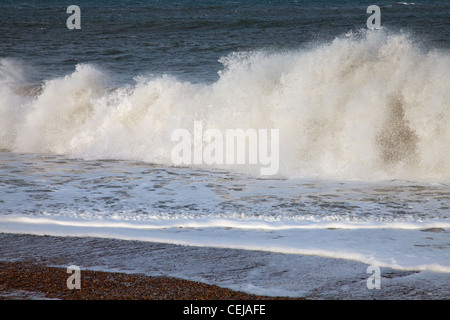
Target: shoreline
(34, 267)
(33, 281)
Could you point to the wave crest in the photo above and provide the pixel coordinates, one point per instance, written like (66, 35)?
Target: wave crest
(365, 106)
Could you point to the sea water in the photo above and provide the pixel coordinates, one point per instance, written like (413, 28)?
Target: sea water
(86, 119)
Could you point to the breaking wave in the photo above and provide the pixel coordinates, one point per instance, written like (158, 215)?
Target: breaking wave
(371, 105)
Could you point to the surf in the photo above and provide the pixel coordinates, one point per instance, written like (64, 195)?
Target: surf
(366, 106)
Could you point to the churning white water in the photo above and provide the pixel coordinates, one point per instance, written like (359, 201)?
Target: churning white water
(372, 105)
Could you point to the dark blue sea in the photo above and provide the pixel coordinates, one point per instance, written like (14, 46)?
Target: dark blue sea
(187, 38)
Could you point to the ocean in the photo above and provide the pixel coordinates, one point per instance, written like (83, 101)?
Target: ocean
(117, 130)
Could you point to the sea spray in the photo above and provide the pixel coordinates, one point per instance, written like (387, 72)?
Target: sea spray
(371, 105)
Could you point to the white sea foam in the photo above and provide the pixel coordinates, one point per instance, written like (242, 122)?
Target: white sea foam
(251, 224)
(366, 106)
